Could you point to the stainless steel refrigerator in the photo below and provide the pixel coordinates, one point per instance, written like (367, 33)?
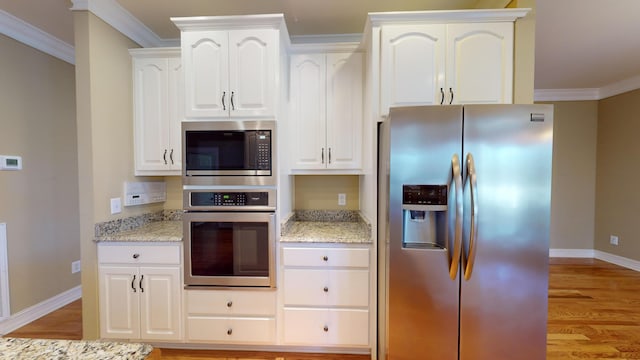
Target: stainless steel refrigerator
(464, 195)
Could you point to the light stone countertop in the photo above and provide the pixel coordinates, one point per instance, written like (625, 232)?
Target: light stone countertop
(343, 232)
(41, 349)
(156, 231)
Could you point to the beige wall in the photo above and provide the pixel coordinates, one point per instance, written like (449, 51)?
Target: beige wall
(574, 174)
(321, 192)
(105, 142)
(40, 202)
(618, 176)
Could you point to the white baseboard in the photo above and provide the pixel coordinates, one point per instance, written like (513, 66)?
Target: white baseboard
(596, 254)
(24, 317)
(572, 253)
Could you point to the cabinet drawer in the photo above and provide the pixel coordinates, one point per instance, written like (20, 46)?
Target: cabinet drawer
(326, 326)
(139, 254)
(231, 303)
(325, 257)
(316, 287)
(231, 330)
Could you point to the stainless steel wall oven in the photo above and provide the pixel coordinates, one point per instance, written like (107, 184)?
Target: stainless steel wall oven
(229, 237)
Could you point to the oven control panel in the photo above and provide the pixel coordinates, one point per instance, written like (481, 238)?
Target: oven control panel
(207, 198)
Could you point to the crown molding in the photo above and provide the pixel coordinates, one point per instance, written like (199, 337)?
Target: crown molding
(620, 87)
(30, 35)
(120, 19)
(448, 16)
(617, 88)
(566, 94)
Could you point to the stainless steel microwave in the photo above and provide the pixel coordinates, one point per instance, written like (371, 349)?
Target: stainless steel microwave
(228, 153)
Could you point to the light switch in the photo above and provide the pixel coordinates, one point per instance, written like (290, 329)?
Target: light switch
(342, 199)
(116, 206)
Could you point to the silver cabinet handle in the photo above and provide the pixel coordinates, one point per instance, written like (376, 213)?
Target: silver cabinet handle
(136, 255)
(140, 283)
(473, 233)
(171, 157)
(456, 179)
(224, 107)
(441, 96)
(233, 106)
(326, 328)
(451, 99)
(325, 258)
(164, 156)
(133, 284)
(326, 289)
(329, 155)
(230, 304)
(230, 331)
(322, 155)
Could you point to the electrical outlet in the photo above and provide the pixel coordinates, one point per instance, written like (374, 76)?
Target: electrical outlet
(75, 267)
(116, 206)
(613, 239)
(342, 199)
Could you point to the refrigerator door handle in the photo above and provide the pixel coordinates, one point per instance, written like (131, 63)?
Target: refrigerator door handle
(473, 233)
(456, 179)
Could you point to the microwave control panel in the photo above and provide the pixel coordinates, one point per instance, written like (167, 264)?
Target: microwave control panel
(229, 198)
(263, 142)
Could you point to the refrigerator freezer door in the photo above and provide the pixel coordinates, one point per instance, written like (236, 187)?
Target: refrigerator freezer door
(504, 300)
(422, 297)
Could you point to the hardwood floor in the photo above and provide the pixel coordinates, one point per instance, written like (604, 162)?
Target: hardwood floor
(594, 313)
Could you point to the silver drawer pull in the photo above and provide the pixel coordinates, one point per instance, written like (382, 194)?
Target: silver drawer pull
(325, 258)
(326, 289)
(135, 256)
(326, 328)
(229, 304)
(230, 331)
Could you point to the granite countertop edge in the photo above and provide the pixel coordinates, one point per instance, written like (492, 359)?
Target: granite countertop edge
(157, 231)
(72, 349)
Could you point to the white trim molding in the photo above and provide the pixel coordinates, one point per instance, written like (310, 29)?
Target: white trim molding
(37, 311)
(596, 254)
(566, 94)
(30, 35)
(120, 19)
(5, 308)
(617, 88)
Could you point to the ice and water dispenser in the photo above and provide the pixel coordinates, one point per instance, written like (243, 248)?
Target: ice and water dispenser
(424, 211)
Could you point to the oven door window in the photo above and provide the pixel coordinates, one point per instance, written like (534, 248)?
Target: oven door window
(230, 249)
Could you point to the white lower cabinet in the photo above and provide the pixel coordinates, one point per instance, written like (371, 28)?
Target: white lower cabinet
(231, 316)
(140, 292)
(326, 296)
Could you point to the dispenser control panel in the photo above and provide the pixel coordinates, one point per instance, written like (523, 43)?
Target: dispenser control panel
(424, 194)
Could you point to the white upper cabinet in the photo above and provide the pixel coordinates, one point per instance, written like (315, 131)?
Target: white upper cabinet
(441, 58)
(480, 63)
(326, 111)
(230, 73)
(413, 61)
(158, 111)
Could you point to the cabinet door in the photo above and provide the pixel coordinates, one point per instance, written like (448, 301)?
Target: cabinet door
(480, 63)
(150, 86)
(206, 67)
(119, 302)
(308, 91)
(175, 114)
(252, 72)
(412, 65)
(344, 110)
(159, 289)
